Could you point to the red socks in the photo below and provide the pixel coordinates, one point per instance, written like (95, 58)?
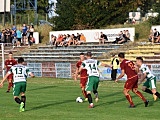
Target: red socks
(9, 86)
(129, 98)
(139, 94)
(84, 93)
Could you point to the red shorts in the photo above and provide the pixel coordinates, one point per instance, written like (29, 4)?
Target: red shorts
(131, 83)
(83, 82)
(10, 77)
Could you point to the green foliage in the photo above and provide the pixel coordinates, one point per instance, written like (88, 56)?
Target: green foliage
(54, 99)
(88, 14)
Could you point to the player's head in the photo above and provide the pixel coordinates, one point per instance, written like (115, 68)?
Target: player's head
(82, 56)
(89, 55)
(139, 61)
(121, 56)
(20, 60)
(10, 55)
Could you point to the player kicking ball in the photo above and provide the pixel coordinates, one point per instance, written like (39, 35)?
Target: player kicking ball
(20, 73)
(151, 79)
(83, 75)
(91, 66)
(128, 68)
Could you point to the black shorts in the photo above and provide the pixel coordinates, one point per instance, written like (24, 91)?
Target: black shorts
(19, 39)
(24, 34)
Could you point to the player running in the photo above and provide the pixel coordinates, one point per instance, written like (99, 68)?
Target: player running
(20, 73)
(151, 79)
(128, 68)
(8, 64)
(93, 80)
(83, 75)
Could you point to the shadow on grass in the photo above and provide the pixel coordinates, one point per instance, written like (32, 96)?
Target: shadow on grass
(49, 104)
(46, 87)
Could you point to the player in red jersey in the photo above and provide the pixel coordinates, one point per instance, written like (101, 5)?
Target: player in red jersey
(128, 68)
(8, 64)
(83, 75)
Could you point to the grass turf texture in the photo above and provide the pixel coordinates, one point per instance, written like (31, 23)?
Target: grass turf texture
(54, 99)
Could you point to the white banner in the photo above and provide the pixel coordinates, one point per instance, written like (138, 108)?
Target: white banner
(63, 70)
(94, 35)
(156, 27)
(2, 7)
(155, 68)
(35, 68)
(105, 73)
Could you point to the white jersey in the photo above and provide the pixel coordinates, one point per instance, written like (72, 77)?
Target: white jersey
(145, 69)
(92, 67)
(20, 73)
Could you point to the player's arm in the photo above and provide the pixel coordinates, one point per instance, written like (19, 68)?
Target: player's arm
(120, 76)
(105, 65)
(76, 74)
(31, 74)
(4, 78)
(143, 76)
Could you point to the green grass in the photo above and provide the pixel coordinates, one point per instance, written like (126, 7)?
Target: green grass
(54, 99)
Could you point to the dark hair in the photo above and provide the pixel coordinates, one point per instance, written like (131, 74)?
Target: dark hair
(81, 53)
(139, 58)
(10, 53)
(20, 60)
(89, 54)
(121, 55)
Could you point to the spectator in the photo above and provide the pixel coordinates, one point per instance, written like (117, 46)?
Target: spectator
(31, 41)
(151, 35)
(14, 40)
(52, 40)
(19, 38)
(24, 33)
(59, 39)
(8, 35)
(127, 35)
(31, 30)
(82, 39)
(102, 38)
(3, 36)
(70, 41)
(156, 36)
(123, 37)
(114, 64)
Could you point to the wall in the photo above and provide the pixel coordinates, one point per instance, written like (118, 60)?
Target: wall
(93, 35)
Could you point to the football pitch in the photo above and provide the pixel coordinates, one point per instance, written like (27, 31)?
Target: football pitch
(54, 99)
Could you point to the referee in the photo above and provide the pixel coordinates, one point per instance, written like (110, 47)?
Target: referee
(115, 64)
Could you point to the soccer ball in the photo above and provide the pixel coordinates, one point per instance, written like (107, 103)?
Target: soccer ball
(79, 100)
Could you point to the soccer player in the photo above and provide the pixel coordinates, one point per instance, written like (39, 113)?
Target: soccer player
(8, 64)
(20, 73)
(128, 68)
(151, 79)
(83, 75)
(93, 80)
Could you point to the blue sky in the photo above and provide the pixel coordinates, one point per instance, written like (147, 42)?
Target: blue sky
(53, 13)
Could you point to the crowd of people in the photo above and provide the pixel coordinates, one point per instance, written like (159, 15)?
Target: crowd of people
(124, 36)
(67, 40)
(154, 36)
(18, 36)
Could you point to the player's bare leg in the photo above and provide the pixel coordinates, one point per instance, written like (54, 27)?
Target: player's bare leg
(90, 99)
(139, 94)
(128, 97)
(96, 95)
(10, 84)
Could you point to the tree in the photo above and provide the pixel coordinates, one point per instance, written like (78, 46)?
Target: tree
(88, 14)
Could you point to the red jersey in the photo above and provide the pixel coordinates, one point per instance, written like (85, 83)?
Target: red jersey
(129, 69)
(84, 71)
(10, 63)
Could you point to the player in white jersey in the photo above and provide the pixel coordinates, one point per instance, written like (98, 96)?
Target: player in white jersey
(93, 76)
(150, 78)
(20, 73)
